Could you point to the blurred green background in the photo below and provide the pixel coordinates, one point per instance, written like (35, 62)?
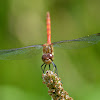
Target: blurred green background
(23, 23)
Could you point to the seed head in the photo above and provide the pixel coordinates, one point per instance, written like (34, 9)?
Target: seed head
(54, 85)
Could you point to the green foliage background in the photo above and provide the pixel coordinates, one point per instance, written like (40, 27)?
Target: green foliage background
(23, 23)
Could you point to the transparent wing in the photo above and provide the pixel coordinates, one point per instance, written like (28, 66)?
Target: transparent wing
(20, 53)
(79, 43)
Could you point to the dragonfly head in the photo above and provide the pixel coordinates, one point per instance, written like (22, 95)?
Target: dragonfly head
(47, 58)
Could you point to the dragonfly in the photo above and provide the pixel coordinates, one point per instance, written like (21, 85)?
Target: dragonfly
(48, 48)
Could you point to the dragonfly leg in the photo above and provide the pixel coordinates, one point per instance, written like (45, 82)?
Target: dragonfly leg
(42, 68)
(49, 67)
(55, 68)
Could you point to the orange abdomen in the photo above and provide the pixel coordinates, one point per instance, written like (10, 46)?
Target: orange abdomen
(48, 29)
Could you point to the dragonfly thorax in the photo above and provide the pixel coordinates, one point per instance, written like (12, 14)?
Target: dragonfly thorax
(48, 54)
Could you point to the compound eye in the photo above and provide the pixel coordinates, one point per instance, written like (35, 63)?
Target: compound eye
(50, 56)
(44, 57)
